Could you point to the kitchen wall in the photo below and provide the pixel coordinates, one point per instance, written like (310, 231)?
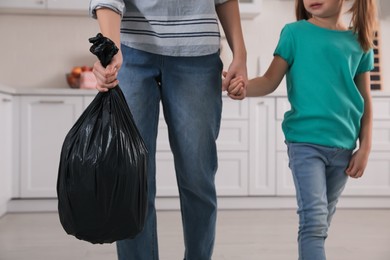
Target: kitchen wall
(37, 51)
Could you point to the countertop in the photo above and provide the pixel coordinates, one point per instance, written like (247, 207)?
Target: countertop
(47, 91)
(91, 92)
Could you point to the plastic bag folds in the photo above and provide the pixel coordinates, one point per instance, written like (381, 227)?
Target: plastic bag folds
(102, 184)
(102, 177)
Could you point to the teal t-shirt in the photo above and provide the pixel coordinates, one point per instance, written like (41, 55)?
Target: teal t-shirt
(326, 105)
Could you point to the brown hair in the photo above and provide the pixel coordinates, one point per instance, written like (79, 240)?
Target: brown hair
(363, 22)
(300, 11)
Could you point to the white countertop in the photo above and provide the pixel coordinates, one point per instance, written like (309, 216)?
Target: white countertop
(91, 92)
(47, 91)
(375, 93)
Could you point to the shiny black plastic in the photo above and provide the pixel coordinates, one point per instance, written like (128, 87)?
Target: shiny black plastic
(103, 48)
(102, 178)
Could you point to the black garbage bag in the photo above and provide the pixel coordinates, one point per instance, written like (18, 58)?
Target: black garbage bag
(102, 178)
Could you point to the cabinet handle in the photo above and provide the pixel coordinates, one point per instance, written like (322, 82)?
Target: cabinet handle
(51, 102)
(40, 2)
(6, 100)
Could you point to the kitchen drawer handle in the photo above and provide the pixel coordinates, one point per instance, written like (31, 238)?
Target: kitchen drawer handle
(6, 100)
(51, 102)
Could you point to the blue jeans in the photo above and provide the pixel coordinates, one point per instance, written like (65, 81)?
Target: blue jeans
(189, 89)
(319, 178)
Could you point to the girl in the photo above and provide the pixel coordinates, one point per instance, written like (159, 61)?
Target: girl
(327, 69)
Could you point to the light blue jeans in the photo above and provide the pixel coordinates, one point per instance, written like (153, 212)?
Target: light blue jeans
(189, 89)
(319, 178)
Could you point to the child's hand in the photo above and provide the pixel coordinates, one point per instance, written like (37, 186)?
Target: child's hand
(357, 164)
(236, 88)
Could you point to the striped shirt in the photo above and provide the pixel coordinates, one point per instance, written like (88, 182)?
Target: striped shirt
(167, 27)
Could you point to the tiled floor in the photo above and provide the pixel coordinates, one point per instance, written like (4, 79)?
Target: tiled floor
(241, 235)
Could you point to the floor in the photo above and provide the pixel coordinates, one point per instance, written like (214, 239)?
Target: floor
(241, 235)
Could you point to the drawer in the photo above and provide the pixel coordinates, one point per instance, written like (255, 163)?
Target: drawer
(233, 136)
(381, 108)
(231, 178)
(280, 145)
(282, 106)
(381, 135)
(231, 109)
(235, 109)
(376, 178)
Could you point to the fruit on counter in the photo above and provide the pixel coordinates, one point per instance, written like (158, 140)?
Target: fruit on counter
(86, 68)
(76, 71)
(73, 78)
(73, 81)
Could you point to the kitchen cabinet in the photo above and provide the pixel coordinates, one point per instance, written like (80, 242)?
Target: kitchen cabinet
(45, 121)
(233, 152)
(68, 5)
(23, 4)
(87, 100)
(376, 179)
(6, 105)
(45, 6)
(253, 161)
(262, 146)
(250, 8)
(284, 180)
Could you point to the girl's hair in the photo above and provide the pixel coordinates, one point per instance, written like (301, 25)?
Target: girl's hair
(363, 21)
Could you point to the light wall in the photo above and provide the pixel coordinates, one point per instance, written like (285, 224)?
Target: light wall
(37, 51)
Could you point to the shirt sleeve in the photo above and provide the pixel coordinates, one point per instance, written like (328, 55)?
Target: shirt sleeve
(218, 2)
(117, 6)
(366, 62)
(285, 47)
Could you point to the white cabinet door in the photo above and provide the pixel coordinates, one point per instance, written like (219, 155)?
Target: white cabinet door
(87, 100)
(381, 124)
(77, 5)
(166, 184)
(376, 179)
(232, 145)
(25, 4)
(45, 121)
(5, 150)
(231, 178)
(284, 179)
(262, 150)
(45, 6)
(250, 8)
